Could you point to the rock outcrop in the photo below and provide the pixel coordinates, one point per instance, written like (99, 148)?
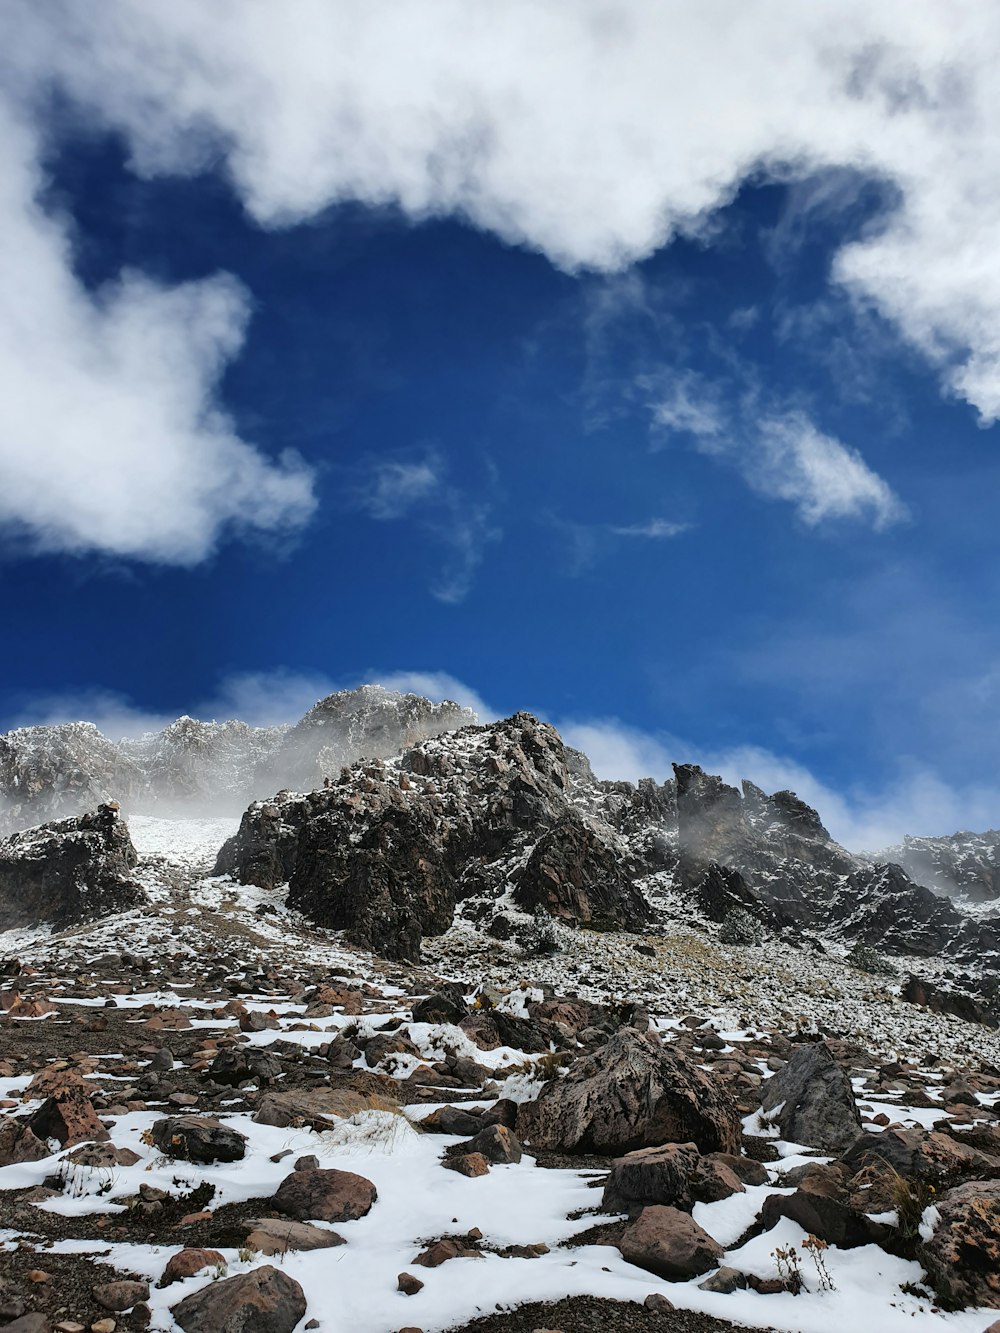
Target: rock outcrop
(68, 871)
(812, 1101)
(634, 1092)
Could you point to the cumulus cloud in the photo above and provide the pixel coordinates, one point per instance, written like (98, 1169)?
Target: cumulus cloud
(111, 438)
(592, 132)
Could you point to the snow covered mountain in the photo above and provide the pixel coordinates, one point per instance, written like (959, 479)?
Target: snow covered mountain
(51, 772)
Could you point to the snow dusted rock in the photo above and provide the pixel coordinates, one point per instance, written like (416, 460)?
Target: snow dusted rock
(962, 1257)
(49, 772)
(575, 875)
(325, 1195)
(262, 1301)
(277, 1235)
(68, 871)
(198, 1138)
(635, 1092)
(812, 1100)
(187, 1262)
(669, 1243)
(965, 866)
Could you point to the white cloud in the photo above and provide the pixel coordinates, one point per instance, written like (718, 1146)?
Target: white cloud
(110, 436)
(591, 132)
(394, 487)
(655, 529)
(436, 685)
(823, 478)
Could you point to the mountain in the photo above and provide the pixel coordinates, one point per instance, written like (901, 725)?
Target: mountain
(51, 772)
(493, 822)
(965, 866)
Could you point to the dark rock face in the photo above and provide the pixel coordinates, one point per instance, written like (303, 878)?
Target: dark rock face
(941, 1000)
(813, 1101)
(262, 1301)
(573, 874)
(388, 851)
(829, 1219)
(635, 1092)
(962, 1257)
(68, 871)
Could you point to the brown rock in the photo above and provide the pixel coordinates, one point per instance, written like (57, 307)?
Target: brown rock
(325, 1196)
(408, 1284)
(443, 1250)
(277, 1235)
(713, 1180)
(187, 1262)
(467, 1164)
(657, 1303)
(68, 1116)
(832, 1221)
(19, 1144)
(262, 1301)
(962, 1258)
(497, 1144)
(669, 1243)
(651, 1176)
(121, 1295)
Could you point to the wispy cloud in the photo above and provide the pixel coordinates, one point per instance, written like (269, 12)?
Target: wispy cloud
(654, 529)
(417, 486)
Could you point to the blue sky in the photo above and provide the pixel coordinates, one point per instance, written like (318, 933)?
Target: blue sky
(389, 348)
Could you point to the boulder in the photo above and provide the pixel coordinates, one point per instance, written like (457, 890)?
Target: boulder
(443, 1006)
(19, 1144)
(651, 1176)
(669, 1243)
(68, 1115)
(812, 1100)
(962, 1257)
(497, 1144)
(262, 1301)
(930, 1154)
(68, 871)
(122, 1295)
(187, 1262)
(277, 1235)
(325, 1195)
(829, 1219)
(634, 1092)
(198, 1138)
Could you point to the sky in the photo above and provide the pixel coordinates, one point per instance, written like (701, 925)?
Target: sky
(630, 362)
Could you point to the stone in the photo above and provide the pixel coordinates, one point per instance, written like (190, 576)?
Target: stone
(408, 1284)
(812, 1101)
(634, 1092)
(829, 1219)
(497, 1144)
(817, 1178)
(575, 876)
(748, 1170)
(651, 1176)
(325, 1195)
(29, 1323)
(657, 1303)
(962, 1257)
(277, 1235)
(442, 1250)
(67, 1115)
(451, 1120)
(713, 1180)
(443, 1006)
(121, 1295)
(103, 1156)
(264, 1300)
(187, 1262)
(725, 1281)
(19, 1144)
(317, 1108)
(470, 1164)
(198, 1138)
(670, 1244)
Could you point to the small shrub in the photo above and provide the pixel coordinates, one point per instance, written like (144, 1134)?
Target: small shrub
(910, 1196)
(540, 937)
(867, 959)
(740, 927)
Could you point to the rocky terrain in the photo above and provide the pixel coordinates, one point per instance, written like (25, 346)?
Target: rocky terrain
(467, 1039)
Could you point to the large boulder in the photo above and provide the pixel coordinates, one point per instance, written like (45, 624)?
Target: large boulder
(812, 1100)
(573, 874)
(68, 871)
(198, 1138)
(262, 1301)
(670, 1244)
(68, 1115)
(651, 1176)
(831, 1220)
(962, 1257)
(634, 1092)
(324, 1195)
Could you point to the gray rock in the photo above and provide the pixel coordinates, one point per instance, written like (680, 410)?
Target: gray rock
(198, 1138)
(812, 1100)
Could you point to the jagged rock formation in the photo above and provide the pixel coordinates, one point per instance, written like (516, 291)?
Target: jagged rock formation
(962, 865)
(389, 849)
(47, 772)
(68, 871)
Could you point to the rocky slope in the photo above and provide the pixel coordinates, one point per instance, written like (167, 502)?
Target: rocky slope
(503, 820)
(966, 866)
(48, 772)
